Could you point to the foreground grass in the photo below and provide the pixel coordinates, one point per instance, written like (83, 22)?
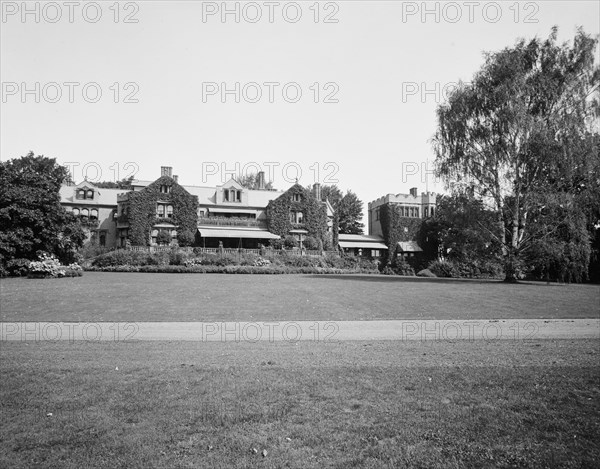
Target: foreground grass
(101, 296)
(353, 404)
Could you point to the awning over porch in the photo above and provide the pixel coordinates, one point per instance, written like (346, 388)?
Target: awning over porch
(362, 245)
(356, 241)
(245, 211)
(233, 233)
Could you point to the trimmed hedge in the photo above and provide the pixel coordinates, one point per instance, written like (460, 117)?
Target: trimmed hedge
(229, 269)
(125, 258)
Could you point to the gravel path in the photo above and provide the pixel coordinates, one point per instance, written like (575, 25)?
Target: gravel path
(293, 331)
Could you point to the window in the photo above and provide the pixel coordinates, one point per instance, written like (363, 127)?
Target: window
(169, 211)
(89, 194)
(431, 211)
(426, 212)
(102, 239)
(94, 214)
(296, 217)
(376, 214)
(226, 196)
(374, 252)
(417, 212)
(80, 194)
(85, 212)
(238, 196)
(164, 189)
(76, 212)
(296, 197)
(160, 211)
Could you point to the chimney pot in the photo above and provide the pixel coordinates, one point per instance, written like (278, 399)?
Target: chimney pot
(413, 191)
(175, 178)
(261, 180)
(166, 171)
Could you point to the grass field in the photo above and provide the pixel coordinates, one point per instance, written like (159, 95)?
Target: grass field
(352, 404)
(434, 404)
(99, 296)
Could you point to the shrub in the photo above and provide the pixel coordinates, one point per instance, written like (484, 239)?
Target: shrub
(276, 243)
(290, 242)
(401, 267)
(17, 267)
(312, 244)
(163, 238)
(48, 266)
(442, 268)
(426, 273)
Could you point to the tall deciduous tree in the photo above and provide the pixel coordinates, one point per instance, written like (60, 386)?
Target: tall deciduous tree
(350, 212)
(250, 181)
(333, 194)
(31, 217)
(524, 126)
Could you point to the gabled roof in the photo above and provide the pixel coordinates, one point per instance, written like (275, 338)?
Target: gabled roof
(101, 196)
(409, 246)
(207, 195)
(232, 183)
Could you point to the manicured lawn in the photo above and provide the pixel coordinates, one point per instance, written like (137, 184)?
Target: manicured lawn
(99, 296)
(310, 405)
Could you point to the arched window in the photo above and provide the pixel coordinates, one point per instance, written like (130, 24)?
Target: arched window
(169, 211)
(94, 214)
(432, 212)
(90, 194)
(160, 211)
(80, 194)
(85, 212)
(417, 212)
(102, 239)
(76, 212)
(238, 196)
(426, 212)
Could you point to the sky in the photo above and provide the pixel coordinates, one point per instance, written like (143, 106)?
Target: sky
(340, 92)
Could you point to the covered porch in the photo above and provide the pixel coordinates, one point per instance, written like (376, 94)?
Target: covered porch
(362, 245)
(233, 238)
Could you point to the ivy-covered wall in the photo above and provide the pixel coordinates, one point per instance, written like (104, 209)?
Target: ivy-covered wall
(396, 228)
(314, 212)
(142, 212)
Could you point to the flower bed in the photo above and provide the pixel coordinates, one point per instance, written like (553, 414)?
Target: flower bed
(49, 267)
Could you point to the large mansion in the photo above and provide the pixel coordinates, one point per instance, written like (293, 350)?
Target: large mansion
(229, 215)
(232, 216)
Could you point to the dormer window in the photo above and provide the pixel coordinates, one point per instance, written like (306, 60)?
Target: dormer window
(232, 195)
(164, 189)
(83, 194)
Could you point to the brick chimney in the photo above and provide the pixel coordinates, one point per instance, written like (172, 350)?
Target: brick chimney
(261, 180)
(175, 178)
(166, 171)
(317, 191)
(413, 191)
